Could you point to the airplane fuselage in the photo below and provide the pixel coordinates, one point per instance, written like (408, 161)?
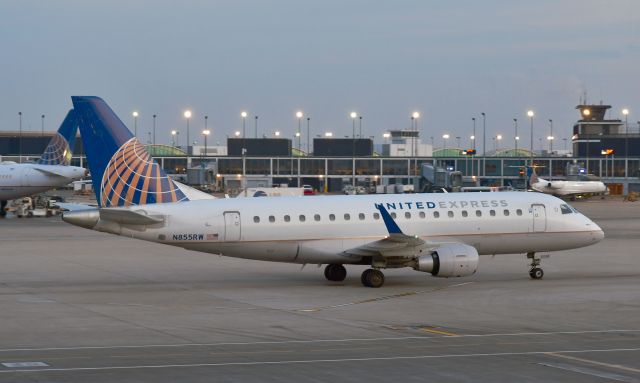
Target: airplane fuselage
(566, 188)
(321, 229)
(19, 180)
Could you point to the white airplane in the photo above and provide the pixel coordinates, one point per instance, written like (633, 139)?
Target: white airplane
(51, 171)
(440, 234)
(564, 188)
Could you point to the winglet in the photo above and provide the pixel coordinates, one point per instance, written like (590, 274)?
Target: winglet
(532, 175)
(392, 226)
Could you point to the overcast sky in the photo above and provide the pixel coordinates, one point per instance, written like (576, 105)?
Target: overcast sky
(449, 60)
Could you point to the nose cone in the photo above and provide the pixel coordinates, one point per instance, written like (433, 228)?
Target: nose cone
(77, 172)
(598, 234)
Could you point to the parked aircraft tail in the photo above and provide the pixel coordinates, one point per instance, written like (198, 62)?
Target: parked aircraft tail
(60, 148)
(122, 170)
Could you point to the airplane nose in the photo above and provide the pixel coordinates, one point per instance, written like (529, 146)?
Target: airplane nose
(596, 232)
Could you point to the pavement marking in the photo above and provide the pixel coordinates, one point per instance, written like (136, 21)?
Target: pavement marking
(595, 362)
(310, 361)
(321, 340)
(588, 371)
(24, 364)
(434, 331)
(382, 298)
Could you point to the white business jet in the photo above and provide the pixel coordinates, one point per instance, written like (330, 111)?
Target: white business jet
(52, 169)
(563, 188)
(440, 234)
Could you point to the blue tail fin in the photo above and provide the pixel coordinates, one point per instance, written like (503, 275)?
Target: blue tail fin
(60, 148)
(122, 171)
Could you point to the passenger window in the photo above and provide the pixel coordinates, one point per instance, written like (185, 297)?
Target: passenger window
(565, 209)
(272, 219)
(519, 212)
(393, 215)
(376, 216)
(407, 215)
(464, 213)
(492, 213)
(361, 216)
(422, 215)
(332, 217)
(316, 217)
(347, 217)
(302, 218)
(436, 214)
(287, 218)
(506, 212)
(478, 213)
(256, 219)
(450, 214)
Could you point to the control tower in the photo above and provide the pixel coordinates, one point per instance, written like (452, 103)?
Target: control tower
(593, 133)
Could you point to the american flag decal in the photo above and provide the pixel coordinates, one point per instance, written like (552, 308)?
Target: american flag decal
(212, 237)
(132, 177)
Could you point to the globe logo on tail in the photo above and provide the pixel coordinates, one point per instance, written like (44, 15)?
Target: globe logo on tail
(57, 152)
(132, 177)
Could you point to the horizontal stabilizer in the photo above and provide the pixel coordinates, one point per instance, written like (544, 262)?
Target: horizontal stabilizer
(128, 217)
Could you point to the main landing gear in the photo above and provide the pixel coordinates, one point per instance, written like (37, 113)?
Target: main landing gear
(535, 272)
(335, 272)
(3, 205)
(372, 278)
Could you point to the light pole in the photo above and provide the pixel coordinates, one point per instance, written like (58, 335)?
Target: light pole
(154, 129)
(174, 138)
(308, 135)
(550, 138)
(353, 116)
(255, 126)
(360, 127)
(625, 111)
(498, 138)
(205, 133)
(135, 123)
(20, 138)
(187, 115)
(243, 115)
(484, 134)
(445, 137)
(531, 114)
(414, 117)
(458, 142)
(515, 138)
(42, 124)
(299, 115)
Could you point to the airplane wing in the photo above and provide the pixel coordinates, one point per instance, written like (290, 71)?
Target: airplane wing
(397, 244)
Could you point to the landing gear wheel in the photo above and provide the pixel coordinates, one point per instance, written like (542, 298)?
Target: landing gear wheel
(372, 278)
(536, 273)
(335, 272)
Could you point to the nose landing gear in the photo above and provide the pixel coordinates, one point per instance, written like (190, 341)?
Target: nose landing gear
(535, 272)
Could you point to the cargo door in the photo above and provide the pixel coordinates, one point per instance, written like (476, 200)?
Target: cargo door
(231, 226)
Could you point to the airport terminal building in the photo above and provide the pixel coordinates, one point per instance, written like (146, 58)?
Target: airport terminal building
(606, 148)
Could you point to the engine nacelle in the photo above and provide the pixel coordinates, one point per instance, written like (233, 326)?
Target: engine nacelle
(450, 260)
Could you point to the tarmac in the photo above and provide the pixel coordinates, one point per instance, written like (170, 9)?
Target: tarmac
(80, 306)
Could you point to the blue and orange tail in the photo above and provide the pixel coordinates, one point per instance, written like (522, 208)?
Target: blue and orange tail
(60, 148)
(122, 171)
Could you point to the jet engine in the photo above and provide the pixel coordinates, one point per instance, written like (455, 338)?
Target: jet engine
(450, 260)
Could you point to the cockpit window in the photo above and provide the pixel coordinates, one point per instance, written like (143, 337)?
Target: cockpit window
(565, 209)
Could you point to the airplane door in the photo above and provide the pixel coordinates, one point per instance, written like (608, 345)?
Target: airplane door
(231, 226)
(539, 218)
